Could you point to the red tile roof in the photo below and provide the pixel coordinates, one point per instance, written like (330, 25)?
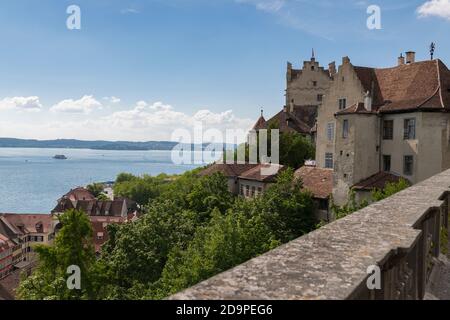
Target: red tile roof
(99, 226)
(260, 124)
(417, 86)
(377, 181)
(228, 170)
(288, 122)
(256, 173)
(79, 194)
(30, 223)
(317, 180)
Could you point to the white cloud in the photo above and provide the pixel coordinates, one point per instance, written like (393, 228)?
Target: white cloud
(436, 8)
(143, 122)
(265, 5)
(129, 11)
(85, 105)
(21, 103)
(112, 99)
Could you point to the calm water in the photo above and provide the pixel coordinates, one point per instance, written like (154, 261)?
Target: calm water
(31, 181)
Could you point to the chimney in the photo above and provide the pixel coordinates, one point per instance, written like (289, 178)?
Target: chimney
(332, 68)
(401, 60)
(289, 72)
(410, 57)
(368, 101)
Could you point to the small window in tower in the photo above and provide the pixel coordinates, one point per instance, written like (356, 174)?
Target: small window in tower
(320, 97)
(312, 68)
(345, 128)
(314, 83)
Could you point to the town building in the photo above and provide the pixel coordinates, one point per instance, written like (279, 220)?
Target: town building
(376, 125)
(101, 213)
(6, 265)
(319, 182)
(246, 180)
(305, 90)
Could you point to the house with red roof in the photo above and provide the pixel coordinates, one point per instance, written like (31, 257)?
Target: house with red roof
(246, 180)
(101, 212)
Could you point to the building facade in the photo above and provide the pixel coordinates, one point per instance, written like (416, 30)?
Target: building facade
(379, 125)
(305, 91)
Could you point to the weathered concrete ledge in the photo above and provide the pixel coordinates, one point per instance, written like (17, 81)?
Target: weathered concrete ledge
(399, 234)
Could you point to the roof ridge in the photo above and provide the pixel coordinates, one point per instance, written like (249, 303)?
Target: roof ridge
(438, 89)
(440, 83)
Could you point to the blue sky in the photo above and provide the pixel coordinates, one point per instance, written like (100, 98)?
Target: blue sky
(139, 69)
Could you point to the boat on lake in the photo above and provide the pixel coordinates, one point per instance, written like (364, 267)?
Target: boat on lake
(60, 157)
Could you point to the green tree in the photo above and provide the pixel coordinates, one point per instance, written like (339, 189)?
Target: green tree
(140, 189)
(288, 210)
(72, 247)
(97, 191)
(390, 189)
(225, 242)
(377, 195)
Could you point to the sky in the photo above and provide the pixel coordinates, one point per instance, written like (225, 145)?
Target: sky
(139, 69)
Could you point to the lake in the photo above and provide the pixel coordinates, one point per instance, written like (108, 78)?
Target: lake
(31, 181)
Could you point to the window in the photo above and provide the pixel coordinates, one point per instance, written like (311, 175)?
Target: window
(330, 131)
(408, 165)
(329, 161)
(247, 191)
(342, 103)
(387, 163)
(320, 97)
(345, 129)
(99, 235)
(242, 189)
(388, 129)
(410, 129)
(259, 190)
(314, 83)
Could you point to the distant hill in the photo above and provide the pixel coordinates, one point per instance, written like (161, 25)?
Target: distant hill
(94, 145)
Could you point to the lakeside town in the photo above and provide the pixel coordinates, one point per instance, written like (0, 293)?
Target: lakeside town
(370, 129)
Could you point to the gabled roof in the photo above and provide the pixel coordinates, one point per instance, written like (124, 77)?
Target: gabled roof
(29, 223)
(8, 229)
(288, 122)
(256, 173)
(261, 124)
(411, 87)
(317, 180)
(377, 181)
(228, 170)
(79, 194)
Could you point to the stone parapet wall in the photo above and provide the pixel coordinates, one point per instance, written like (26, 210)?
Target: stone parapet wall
(401, 235)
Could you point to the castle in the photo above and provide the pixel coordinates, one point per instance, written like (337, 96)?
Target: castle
(371, 126)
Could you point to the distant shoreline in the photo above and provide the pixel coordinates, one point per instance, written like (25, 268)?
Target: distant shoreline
(94, 145)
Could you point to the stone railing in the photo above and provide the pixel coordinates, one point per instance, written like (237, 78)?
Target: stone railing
(400, 235)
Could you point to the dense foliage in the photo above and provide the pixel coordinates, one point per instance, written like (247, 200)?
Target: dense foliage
(72, 246)
(193, 228)
(294, 149)
(196, 229)
(377, 195)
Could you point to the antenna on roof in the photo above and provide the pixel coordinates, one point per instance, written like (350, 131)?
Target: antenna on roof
(262, 112)
(432, 48)
(313, 56)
